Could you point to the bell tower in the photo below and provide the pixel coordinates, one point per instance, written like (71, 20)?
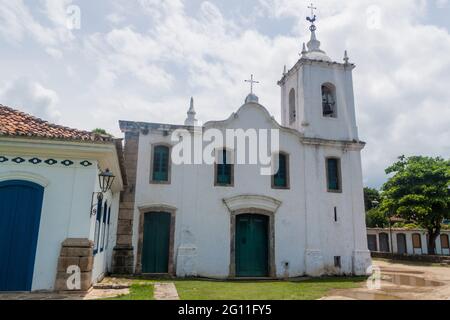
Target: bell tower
(317, 93)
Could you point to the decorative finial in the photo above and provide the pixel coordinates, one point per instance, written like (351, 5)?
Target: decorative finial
(346, 59)
(284, 70)
(304, 51)
(191, 120)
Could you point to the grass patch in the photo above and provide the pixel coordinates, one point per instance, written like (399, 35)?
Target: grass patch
(138, 291)
(264, 290)
(246, 290)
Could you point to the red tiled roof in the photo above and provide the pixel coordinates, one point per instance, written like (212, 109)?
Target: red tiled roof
(16, 123)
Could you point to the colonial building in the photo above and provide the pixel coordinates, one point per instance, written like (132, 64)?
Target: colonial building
(406, 241)
(226, 219)
(58, 204)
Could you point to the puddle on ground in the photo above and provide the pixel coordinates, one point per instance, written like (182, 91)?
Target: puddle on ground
(369, 296)
(406, 280)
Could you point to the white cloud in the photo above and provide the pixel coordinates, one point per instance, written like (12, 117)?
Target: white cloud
(31, 97)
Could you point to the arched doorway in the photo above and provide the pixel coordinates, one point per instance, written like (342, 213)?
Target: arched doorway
(20, 216)
(401, 244)
(252, 245)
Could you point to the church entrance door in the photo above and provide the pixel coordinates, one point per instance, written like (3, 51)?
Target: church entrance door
(155, 253)
(252, 245)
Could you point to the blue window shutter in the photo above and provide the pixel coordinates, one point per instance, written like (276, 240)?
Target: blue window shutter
(97, 227)
(103, 228)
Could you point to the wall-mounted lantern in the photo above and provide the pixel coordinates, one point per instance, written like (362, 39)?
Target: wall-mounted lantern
(105, 181)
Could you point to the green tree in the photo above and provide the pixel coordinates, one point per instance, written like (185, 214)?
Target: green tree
(371, 197)
(101, 132)
(376, 219)
(419, 191)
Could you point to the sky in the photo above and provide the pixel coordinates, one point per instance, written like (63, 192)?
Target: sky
(88, 64)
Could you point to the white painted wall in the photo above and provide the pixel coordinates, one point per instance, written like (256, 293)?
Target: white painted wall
(307, 78)
(304, 223)
(65, 211)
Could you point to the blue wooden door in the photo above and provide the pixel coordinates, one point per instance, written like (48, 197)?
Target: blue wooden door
(20, 215)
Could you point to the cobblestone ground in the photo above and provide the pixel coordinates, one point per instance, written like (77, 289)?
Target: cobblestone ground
(108, 288)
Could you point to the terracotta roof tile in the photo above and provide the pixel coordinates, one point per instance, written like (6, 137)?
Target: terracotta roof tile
(17, 123)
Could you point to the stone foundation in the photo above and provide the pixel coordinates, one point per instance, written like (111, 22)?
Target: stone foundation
(75, 264)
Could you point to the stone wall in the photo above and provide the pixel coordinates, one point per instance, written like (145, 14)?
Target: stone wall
(76, 256)
(123, 258)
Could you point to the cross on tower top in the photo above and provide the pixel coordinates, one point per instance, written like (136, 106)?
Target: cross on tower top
(312, 19)
(312, 9)
(251, 81)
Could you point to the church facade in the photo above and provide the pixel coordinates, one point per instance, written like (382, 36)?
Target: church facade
(227, 220)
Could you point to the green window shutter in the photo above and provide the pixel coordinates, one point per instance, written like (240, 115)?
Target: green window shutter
(224, 170)
(333, 174)
(280, 178)
(161, 164)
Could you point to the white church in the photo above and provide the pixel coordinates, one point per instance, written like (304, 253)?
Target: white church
(226, 220)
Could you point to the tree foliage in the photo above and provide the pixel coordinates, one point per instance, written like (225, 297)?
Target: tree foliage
(371, 197)
(376, 219)
(419, 191)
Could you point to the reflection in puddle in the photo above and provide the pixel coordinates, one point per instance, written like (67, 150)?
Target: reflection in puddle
(406, 280)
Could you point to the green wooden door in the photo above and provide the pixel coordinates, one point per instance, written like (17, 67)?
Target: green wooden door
(252, 246)
(155, 251)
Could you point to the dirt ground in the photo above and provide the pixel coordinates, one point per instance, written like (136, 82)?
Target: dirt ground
(401, 281)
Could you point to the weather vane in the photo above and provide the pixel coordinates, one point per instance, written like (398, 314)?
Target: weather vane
(251, 81)
(313, 17)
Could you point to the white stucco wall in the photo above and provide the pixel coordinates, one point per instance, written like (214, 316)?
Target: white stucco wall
(68, 190)
(304, 223)
(65, 209)
(307, 78)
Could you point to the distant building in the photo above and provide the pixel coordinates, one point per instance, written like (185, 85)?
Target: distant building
(405, 241)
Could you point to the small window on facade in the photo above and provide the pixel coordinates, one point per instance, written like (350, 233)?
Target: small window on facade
(281, 179)
(98, 225)
(337, 261)
(334, 175)
(444, 241)
(335, 214)
(292, 109)
(161, 158)
(224, 169)
(329, 101)
(417, 242)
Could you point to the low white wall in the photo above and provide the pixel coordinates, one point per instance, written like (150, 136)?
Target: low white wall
(409, 244)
